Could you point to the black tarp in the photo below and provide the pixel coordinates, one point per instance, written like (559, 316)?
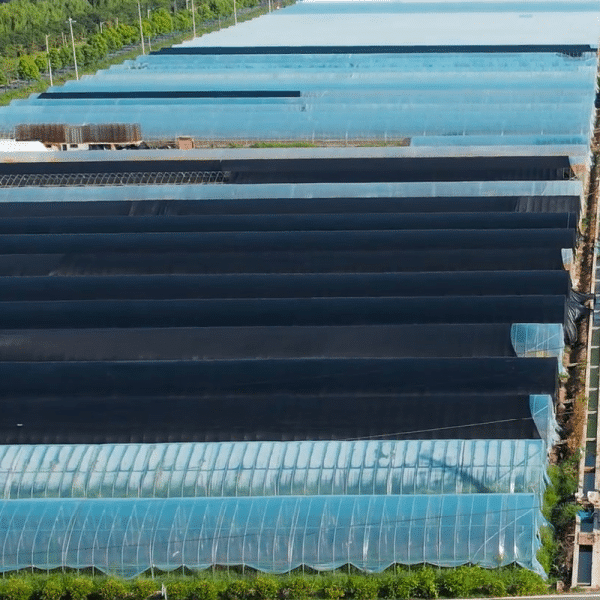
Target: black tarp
(287, 222)
(570, 49)
(151, 263)
(325, 170)
(219, 343)
(282, 311)
(422, 239)
(280, 417)
(242, 206)
(295, 376)
(476, 283)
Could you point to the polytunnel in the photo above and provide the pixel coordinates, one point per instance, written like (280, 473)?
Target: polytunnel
(276, 534)
(212, 343)
(173, 470)
(78, 419)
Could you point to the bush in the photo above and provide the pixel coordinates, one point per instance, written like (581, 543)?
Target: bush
(265, 587)
(362, 587)
(547, 554)
(493, 584)
(466, 581)
(298, 588)
(55, 60)
(111, 589)
(332, 590)
(144, 587)
(527, 583)
(27, 68)
(402, 585)
(238, 589)
(178, 589)
(427, 585)
(79, 588)
(203, 589)
(16, 588)
(54, 588)
(521, 582)
(41, 61)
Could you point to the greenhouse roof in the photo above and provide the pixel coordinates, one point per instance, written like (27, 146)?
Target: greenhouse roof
(273, 468)
(418, 23)
(274, 534)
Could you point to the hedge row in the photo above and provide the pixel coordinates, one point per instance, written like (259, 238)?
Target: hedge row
(424, 582)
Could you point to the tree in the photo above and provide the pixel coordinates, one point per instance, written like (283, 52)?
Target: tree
(98, 43)
(41, 60)
(204, 12)
(183, 20)
(162, 21)
(147, 28)
(27, 68)
(112, 37)
(55, 59)
(66, 55)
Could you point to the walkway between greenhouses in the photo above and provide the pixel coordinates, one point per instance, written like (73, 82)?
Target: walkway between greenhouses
(586, 558)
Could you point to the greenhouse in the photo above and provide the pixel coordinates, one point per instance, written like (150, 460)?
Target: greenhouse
(342, 353)
(275, 534)
(273, 469)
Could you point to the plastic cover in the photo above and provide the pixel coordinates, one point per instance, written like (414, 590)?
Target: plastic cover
(273, 468)
(276, 534)
(542, 411)
(341, 96)
(539, 339)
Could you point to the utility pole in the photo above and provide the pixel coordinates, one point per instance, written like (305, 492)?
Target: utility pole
(149, 42)
(73, 45)
(194, 18)
(269, 5)
(141, 28)
(234, 13)
(49, 63)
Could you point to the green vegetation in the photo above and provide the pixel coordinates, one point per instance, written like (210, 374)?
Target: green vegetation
(401, 583)
(24, 24)
(560, 509)
(102, 28)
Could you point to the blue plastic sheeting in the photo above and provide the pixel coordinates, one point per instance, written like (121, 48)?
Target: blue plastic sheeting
(272, 469)
(416, 23)
(302, 122)
(299, 190)
(542, 411)
(276, 534)
(544, 95)
(538, 340)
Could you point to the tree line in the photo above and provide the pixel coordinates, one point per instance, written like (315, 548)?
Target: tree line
(100, 27)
